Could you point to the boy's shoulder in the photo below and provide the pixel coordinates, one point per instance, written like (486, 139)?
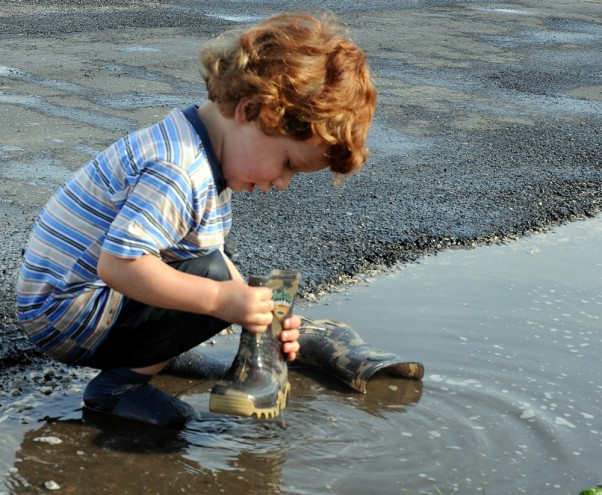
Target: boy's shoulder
(172, 140)
(174, 127)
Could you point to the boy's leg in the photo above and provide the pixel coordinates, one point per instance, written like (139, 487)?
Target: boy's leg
(143, 338)
(145, 335)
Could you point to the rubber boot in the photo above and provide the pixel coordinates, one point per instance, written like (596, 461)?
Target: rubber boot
(338, 351)
(257, 382)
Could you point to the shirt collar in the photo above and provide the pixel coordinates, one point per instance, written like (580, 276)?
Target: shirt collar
(216, 169)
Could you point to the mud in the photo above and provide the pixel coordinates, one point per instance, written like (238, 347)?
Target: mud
(488, 128)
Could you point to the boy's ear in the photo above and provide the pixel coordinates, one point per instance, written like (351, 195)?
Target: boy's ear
(240, 112)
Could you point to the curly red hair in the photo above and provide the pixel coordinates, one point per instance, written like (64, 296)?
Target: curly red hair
(302, 78)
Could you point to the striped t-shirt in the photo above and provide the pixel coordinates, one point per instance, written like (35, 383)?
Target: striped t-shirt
(154, 192)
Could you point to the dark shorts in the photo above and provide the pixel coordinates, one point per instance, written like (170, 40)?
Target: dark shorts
(145, 335)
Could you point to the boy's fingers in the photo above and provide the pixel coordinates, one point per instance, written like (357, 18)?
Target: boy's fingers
(290, 350)
(256, 328)
(265, 293)
(292, 322)
(290, 347)
(289, 335)
(265, 298)
(265, 318)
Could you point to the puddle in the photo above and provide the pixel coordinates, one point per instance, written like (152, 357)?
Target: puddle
(138, 72)
(134, 101)
(546, 38)
(237, 17)
(45, 171)
(122, 101)
(136, 49)
(390, 141)
(87, 150)
(510, 339)
(502, 10)
(64, 86)
(41, 105)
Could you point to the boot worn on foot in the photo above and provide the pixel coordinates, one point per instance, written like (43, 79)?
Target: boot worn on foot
(338, 351)
(257, 382)
(124, 393)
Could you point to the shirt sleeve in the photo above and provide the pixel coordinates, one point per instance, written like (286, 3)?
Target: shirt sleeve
(157, 214)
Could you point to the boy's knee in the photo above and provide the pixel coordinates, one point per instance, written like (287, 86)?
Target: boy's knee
(217, 269)
(212, 265)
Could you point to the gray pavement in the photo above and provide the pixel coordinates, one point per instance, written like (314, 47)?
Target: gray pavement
(489, 125)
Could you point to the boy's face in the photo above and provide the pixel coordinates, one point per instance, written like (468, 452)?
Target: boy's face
(252, 159)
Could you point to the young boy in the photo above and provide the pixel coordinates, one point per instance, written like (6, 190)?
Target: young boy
(125, 267)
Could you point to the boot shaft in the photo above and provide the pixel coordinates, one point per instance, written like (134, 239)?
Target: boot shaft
(257, 382)
(284, 285)
(339, 351)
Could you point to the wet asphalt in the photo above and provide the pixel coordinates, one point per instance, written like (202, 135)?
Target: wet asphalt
(489, 127)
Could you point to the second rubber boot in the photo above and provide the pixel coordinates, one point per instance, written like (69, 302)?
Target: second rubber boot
(257, 382)
(338, 351)
(196, 364)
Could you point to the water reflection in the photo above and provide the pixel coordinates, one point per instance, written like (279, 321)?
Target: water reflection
(384, 392)
(90, 453)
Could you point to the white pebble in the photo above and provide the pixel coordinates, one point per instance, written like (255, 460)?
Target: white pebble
(49, 440)
(52, 485)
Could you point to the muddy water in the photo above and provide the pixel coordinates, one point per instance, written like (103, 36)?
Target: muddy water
(510, 337)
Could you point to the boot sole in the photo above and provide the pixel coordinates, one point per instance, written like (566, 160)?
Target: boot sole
(243, 405)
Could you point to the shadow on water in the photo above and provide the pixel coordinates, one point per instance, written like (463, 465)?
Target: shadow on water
(510, 338)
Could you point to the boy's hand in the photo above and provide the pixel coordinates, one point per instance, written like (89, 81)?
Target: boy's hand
(290, 336)
(249, 307)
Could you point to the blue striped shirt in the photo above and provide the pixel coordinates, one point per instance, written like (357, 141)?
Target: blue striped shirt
(151, 192)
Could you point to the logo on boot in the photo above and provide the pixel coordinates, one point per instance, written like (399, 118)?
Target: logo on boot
(283, 300)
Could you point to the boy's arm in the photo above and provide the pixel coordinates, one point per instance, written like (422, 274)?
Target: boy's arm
(233, 270)
(151, 281)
